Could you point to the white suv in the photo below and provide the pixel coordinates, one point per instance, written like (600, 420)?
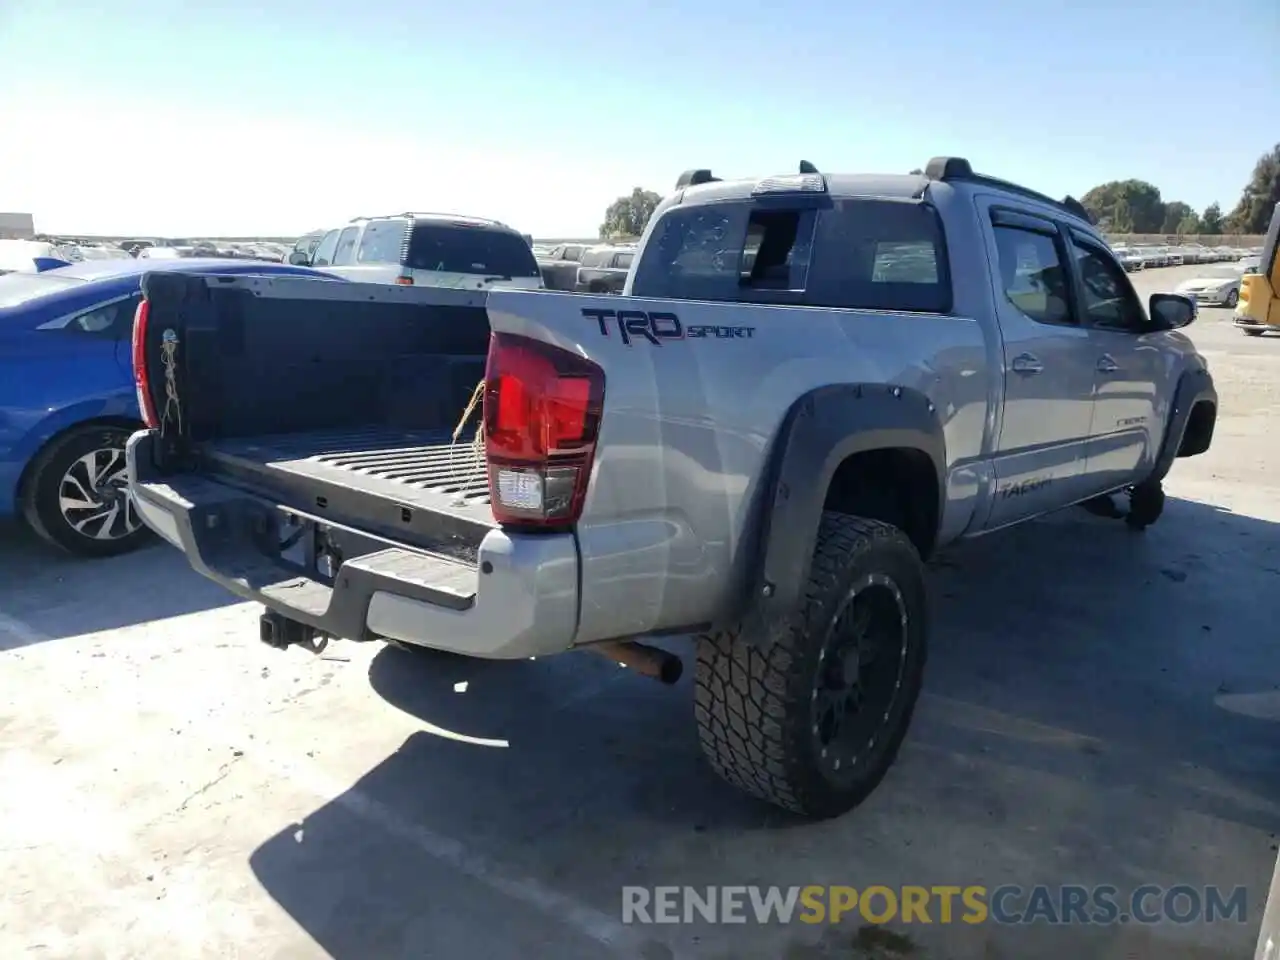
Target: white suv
(429, 249)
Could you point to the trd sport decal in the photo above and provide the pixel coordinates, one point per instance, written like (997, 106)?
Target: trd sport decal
(658, 326)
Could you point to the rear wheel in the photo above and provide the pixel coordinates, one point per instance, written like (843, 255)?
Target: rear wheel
(812, 718)
(1253, 333)
(76, 495)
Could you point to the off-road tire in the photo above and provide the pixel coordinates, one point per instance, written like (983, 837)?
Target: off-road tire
(753, 702)
(41, 485)
(1146, 503)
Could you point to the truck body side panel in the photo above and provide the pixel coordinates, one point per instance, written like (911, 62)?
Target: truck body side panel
(689, 423)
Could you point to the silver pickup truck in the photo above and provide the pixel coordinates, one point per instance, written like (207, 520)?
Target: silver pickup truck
(810, 383)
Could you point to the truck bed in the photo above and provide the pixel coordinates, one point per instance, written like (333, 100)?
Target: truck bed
(413, 483)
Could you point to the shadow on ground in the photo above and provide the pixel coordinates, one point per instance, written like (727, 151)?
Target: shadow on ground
(52, 594)
(1073, 731)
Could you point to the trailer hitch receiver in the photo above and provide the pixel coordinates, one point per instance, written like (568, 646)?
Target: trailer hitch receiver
(277, 630)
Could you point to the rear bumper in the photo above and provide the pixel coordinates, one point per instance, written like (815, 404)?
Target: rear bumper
(518, 599)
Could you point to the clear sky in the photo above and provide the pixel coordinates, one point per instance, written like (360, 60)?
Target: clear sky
(230, 117)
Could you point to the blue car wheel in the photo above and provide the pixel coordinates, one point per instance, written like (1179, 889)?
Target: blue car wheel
(76, 496)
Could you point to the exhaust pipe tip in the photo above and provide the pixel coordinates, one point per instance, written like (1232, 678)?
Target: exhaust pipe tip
(665, 667)
(671, 670)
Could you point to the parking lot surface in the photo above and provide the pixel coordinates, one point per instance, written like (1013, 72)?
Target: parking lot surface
(1101, 709)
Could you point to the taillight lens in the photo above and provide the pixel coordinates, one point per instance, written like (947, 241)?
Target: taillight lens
(140, 378)
(542, 407)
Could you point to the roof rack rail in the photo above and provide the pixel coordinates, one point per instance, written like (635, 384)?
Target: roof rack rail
(692, 178)
(958, 168)
(411, 214)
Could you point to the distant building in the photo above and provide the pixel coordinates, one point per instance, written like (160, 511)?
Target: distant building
(17, 226)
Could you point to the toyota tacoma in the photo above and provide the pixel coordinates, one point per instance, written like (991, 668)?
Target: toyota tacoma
(810, 383)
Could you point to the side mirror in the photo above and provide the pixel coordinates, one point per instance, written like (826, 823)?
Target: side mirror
(299, 259)
(1170, 311)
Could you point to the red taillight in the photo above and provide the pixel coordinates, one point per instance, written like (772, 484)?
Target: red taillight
(140, 378)
(542, 408)
(404, 280)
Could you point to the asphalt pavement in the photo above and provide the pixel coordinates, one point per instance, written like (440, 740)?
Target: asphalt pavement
(1101, 709)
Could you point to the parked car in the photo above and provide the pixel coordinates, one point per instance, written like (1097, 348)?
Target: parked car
(559, 265)
(101, 251)
(1217, 286)
(757, 456)
(429, 249)
(1131, 259)
(67, 399)
(604, 269)
(305, 247)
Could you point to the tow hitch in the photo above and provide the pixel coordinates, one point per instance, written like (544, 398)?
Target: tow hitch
(277, 630)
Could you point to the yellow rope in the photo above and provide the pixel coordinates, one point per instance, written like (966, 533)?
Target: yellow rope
(476, 394)
(477, 444)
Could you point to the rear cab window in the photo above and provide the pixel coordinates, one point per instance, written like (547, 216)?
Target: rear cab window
(858, 253)
(460, 248)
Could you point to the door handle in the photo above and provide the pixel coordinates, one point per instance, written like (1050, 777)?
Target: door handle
(1107, 364)
(1027, 363)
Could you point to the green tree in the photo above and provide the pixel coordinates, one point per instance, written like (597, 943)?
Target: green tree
(1120, 218)
(627, 216)
(1189, 225)
(1175, 213)
(1144, 208)
(1211, 221)
(1253, 213)
(916, 172)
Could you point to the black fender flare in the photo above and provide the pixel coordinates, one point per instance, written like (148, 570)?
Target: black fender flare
(1194, 386)
(821, 429)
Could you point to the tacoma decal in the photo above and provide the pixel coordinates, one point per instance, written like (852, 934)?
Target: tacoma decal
(659, 326)
(1023, 487)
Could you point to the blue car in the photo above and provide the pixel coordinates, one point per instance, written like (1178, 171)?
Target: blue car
(67, 396)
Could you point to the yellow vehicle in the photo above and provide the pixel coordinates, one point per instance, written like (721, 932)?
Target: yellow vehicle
(1259, 307)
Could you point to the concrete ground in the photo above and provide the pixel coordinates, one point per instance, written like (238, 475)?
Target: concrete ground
(1100, 709)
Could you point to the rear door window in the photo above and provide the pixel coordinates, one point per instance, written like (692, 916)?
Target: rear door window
(452, 248)
(1032, 272)
(382, 241)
